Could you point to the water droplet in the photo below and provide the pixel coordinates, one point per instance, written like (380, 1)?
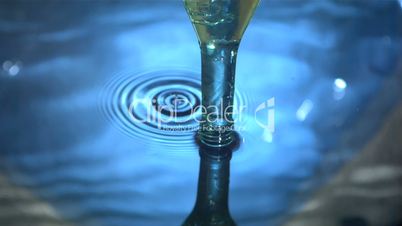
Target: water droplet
(340, 83)
(304, 110)
(211, 45)
(339, 88)
(11, 68)
(7, 65)
(14, 70)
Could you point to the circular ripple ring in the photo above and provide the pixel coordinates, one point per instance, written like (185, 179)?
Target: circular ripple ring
(156, 107)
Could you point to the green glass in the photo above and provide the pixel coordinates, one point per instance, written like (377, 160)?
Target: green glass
(211, 207)
(219, 25)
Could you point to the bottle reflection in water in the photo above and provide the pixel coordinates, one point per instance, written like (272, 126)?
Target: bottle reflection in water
(211, 207)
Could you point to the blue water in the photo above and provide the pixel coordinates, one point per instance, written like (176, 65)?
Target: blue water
(68, 78)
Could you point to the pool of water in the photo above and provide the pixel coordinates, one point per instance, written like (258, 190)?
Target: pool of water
(76, 75)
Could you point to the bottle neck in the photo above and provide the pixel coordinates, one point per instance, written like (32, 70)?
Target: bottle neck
(213, 185)
(211, 207)
(218, 82)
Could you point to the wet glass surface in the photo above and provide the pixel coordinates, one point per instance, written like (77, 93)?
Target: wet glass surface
(70, 72)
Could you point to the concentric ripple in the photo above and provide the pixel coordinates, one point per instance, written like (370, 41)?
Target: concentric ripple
(156, 107)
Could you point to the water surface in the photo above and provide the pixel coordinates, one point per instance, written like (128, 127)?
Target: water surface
(68, 77)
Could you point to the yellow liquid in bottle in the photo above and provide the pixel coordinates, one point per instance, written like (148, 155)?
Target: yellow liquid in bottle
(220, 20)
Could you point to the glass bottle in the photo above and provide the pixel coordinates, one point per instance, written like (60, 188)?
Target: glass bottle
(219, 25)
